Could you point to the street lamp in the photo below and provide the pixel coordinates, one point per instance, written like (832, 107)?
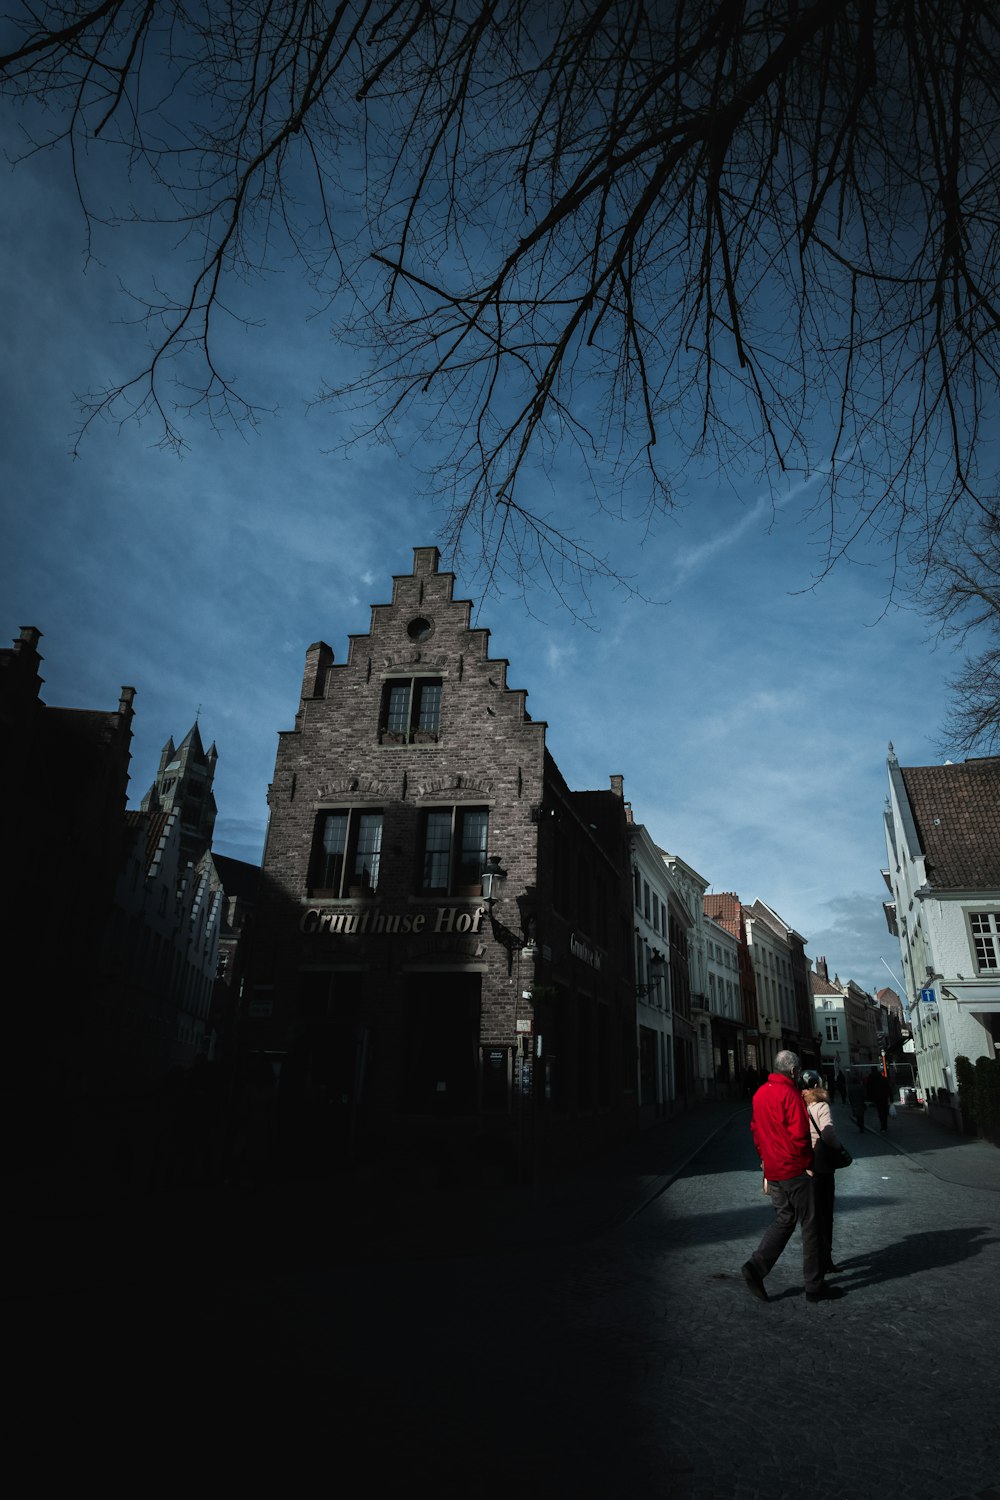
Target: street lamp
(657, 971)
(493, 878)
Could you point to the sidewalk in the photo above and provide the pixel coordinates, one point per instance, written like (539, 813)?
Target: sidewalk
(944, 1153)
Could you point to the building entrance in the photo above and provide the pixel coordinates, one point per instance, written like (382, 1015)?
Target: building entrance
(442, 1051)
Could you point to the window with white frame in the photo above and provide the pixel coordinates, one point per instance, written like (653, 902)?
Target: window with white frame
(985, 929)
(347, 852)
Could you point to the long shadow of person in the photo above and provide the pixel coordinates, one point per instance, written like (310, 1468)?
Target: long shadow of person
(912, 1254)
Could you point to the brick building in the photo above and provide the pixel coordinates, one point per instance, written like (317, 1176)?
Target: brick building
(65, 782)
(404, 1001)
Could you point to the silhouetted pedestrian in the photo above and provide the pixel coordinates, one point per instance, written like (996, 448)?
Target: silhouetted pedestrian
(856, 1094)
(878, 1093)
(842, 1086)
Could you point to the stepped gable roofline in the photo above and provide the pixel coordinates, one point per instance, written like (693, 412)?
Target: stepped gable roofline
(426, 589)
(956, 815)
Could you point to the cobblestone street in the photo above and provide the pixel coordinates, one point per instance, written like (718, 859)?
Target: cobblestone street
(594, 1362)
(638, 1361)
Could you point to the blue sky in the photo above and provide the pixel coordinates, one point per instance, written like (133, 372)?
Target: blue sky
(748, 711)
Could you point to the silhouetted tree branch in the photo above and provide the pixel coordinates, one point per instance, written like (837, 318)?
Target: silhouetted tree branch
(962, 595)
(762, 234)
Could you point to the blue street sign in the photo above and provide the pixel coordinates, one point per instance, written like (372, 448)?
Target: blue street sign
(928, 997)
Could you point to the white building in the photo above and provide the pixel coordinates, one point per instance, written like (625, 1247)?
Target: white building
(942, 828)
(654, 1009)
(831, 1021)
(694, 1036)
(848, 1022)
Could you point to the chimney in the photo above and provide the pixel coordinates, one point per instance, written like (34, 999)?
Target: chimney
(821, 969)
(319, 658)
(618, 786)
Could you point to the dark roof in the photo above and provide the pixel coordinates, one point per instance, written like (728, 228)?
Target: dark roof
(956, 810)
(88, 726)
(238, 876)
(149, 826)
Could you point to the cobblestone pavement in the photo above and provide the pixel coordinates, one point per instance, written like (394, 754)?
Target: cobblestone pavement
(638, 1360)
(586, 1360)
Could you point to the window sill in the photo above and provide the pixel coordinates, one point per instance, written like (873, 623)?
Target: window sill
(434, 898)
(417, 737)
(355, 894)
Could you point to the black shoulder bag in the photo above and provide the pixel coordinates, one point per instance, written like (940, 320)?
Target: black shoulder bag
(828, 1158)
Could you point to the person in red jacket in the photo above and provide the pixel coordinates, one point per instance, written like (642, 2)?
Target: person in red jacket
(780, 1128)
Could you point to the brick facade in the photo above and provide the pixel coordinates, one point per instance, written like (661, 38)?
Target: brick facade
(401, 1007)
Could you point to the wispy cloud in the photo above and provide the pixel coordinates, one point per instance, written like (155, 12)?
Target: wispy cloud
(691, 560)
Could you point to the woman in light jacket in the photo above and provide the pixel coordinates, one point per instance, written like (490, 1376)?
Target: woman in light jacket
(817, 1102)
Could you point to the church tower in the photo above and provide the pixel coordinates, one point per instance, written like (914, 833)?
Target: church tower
(184, 783)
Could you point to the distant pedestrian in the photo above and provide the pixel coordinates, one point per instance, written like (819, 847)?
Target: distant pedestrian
(878, 1093)
(780, 1128)
(856, 1094)
(817, 1102)
(842, 1086)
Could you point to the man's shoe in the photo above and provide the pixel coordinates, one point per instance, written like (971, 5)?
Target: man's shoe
(825, 1294)
(832, 1270)
(754, 1281)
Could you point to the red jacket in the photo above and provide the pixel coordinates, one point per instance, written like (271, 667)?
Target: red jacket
(780, 1128)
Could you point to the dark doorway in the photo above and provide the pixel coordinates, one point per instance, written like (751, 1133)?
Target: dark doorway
(442, 1053)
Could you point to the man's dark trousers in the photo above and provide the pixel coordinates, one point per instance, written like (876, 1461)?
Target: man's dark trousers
(792, 1201)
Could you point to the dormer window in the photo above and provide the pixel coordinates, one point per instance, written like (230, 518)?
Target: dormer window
(411, 711)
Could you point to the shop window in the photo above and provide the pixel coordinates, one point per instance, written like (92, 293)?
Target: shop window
(453, 850)
(411, 711)
(347, 853)
(985, 928)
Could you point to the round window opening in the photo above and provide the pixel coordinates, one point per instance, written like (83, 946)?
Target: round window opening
(419, 629)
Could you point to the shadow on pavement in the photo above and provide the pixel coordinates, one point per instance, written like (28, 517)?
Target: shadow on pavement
(913, 1254)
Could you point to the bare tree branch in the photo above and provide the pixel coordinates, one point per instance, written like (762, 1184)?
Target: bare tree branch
(649, 230)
